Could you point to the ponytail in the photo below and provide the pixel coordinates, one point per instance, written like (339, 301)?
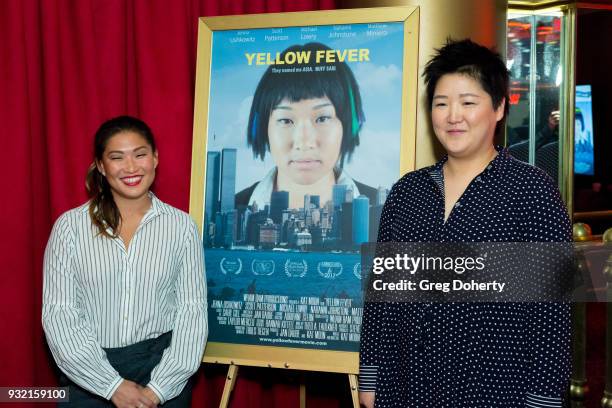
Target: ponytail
(103, 211)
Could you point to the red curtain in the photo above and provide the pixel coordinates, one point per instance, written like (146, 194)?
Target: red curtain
(65, 66)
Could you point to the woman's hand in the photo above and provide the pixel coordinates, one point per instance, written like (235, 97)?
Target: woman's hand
(131, 395)
(150, 394)
(366, 399)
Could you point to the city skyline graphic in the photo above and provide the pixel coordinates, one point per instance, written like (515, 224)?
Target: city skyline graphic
(338, 225)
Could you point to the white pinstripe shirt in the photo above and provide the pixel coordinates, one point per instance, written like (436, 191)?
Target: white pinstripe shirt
(96, 294)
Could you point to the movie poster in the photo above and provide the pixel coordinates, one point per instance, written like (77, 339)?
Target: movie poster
(302, 149)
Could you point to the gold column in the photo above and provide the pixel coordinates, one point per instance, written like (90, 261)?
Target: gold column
(568, 106)
(482, 21)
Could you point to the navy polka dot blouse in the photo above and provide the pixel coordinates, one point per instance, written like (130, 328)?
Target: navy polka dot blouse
(470, 354)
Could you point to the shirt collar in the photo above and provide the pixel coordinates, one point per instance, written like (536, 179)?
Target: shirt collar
(158, 206)
(263, 190)
(498, 164)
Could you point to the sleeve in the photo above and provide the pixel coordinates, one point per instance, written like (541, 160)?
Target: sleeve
(184, 355)
(549, 324)
(373, 314)
(71, 340)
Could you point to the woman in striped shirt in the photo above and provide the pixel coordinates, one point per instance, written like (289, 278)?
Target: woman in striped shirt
(124, 297)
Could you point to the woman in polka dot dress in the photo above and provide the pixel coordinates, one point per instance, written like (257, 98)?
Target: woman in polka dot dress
(468, 354)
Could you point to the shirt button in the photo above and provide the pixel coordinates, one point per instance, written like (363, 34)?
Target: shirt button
(479, 179)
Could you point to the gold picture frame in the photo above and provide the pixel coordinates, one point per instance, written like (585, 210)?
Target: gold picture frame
(288, 357)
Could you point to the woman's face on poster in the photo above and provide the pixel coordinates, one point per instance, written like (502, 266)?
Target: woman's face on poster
(305, 139)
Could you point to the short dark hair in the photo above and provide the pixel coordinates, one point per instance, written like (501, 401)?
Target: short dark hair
(338, 84)
(476, 61)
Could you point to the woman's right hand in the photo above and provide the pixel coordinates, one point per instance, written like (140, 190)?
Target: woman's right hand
(131, 395)
(366, 399)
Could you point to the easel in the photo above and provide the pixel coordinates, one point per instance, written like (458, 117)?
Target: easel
(230, 382)
(232, 374)
(308, 360)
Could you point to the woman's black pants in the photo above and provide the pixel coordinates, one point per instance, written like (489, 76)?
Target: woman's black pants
(134, 363)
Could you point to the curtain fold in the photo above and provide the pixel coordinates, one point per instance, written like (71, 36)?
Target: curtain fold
(66, 66)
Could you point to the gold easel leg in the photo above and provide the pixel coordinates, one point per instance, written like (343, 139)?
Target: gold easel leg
(230, 381)
(354, 391)
(302, 393)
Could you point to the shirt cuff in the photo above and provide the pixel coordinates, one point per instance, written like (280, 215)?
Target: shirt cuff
(367, 378)
(538, 401)
(113, 387)
(155, 388)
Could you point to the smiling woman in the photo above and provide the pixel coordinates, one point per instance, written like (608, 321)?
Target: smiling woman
(123, 276)
(125, 159)
(463, 116)
(125, 166)
(309, 120)
(499, 354)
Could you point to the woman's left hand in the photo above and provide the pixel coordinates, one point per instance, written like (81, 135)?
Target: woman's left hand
(151, 395)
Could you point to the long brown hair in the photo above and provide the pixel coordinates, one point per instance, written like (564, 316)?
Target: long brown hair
(102, 207)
